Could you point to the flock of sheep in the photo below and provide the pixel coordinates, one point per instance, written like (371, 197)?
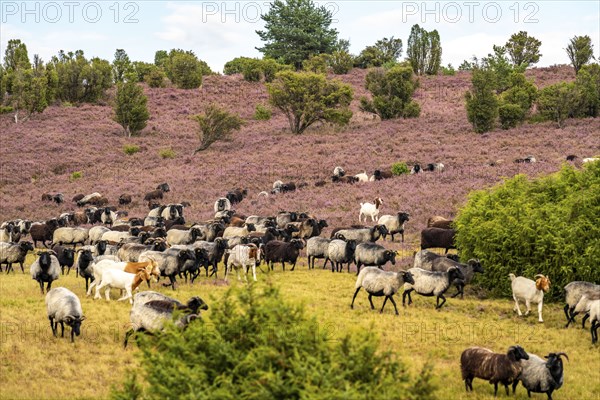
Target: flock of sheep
(120, 252)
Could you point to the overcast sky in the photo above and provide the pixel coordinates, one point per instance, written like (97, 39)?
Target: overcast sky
(218, 31)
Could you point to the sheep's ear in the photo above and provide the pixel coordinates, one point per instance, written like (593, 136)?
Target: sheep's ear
(69, 319)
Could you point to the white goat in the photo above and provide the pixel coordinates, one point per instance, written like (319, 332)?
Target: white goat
(530, 292)
(243, 256)
(369, 209)
(114, 278)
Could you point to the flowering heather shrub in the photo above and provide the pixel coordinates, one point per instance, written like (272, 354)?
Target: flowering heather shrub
(549, 225)
(400, 168)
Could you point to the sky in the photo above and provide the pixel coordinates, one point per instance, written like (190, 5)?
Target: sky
(218, 31)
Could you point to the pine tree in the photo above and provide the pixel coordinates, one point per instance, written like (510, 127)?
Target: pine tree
(131, 111)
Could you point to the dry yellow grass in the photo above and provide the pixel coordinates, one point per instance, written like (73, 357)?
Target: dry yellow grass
(34, 364)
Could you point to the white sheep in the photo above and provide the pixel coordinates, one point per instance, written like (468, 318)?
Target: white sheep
(370, 209)
(114, 236)
(233, 231)
(115, 278)
(431, 283)
(243, 256)
(95, 233)
(222, 204)
(339, 172)
(63, 306)
(180, 236)
(590, 159)
(530, 292)
(381, 283)
(362, 177)
(70, 236)
(595, 319)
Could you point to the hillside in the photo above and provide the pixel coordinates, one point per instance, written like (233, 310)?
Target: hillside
(39, 155)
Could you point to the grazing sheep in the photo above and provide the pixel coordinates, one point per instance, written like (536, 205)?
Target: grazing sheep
(344, 179)
(468, 270)
(84, 266)
(14, 253)
(361, 235)
(590, 159)
(394, 224)
(66, 257)
(72, 236)
(370, 209)
(541, 376)
(340, 252)
(431, 283)
(439, 222)
(115, 278)
(478, 362)
(278, 251)
(154, 195)
(416, 169)
(316, 247)
(528, 159)
(584, 305)
(573, 293)
(424, 259)
(243, 256)
(232, 231)
(339, 172)
(381, 283)
(77, 197)
(164, 187)
(571, 157)
(170, 262)
(362, 177)
(45, 268)
(176, 236)
(380, 175)
(214, 252)
(151, 310)
(372, 255)
(530, 292)
(43, 232)
(124, 199)
(434, 167)
(63, 306)
(438, 237)
(89, 199)
(595, 320)
(236, 195)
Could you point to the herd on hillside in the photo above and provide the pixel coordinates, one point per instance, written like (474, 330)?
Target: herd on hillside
(121, 252)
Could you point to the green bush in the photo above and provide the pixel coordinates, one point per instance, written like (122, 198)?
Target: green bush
(252, 70)
(558, 102)
(131, 107)
(131, 149)
(510, 115)
(400, 168)
(257, 345)
(75, 175)
(549, 225)
(5, 109)
(316, 64)
(166, 153)
(588, 87)
(341, 62)
(449, 70)
(481, 101)
(235, 66)
(216, 124)
(262, 113)
(155, 78)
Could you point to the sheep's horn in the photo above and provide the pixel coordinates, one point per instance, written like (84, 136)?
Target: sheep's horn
(563, 354)
(539, 276)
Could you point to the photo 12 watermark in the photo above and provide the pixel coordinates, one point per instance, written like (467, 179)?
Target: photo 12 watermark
(469, 11)
(55, 12)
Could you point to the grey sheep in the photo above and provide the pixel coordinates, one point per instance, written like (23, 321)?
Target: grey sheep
(64, 307)
(95, 233)
(45, 268)
(177, 236)
(170, 262)
(431, 283)
(72, 236)
(381, 283)
(372, 255)
(468, 270)
(394, 224)
(232, 231)
(573, 293)
(541, 376)
(424, 259)
(340, 252)
(151, 310)
(131, 251)
(210, 231)
(214, 253)
(14, 253)
(283, 218)
(362, 235)
(316, 247)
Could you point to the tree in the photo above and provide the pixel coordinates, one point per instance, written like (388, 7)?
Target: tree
(340, 62)
(131, 110)
(216, 124)
(184, 70)
(121, 66)
(155, 78)
(391, 93)
(15, 56)
(588, 87)
(306, 97)
(29, 92)
(258, 345)
(580, 51)
(384, 51)
(523, 49)
(80, 80)
(424, 51)
(558, 102)
(502, 68)
(160, 58)
(517, 100)
(296, 30)
(482, 102)
(235, 66)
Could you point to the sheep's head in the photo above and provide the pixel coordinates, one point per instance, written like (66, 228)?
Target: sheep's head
(476, 264)
(250, 227)
(196, 303)
(407, 277)
(455, 273)
(542, 282)
(391, 256)
(74, 323)
(517, 353)
(26, 246)
(403, 217)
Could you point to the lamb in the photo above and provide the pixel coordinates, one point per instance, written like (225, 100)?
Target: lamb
(14, 253)
(381, 283)
(63, 306)
(431, 283)
(541, 376)
(361, 235)
(424, 259)
(437, 237)
(232, 231)
(362, 177)
(316, 247)
(529, 291)
(340, 252)
(370, 209)
(45, 268)
(72, 236)
(176, 236)
(278, 251)
(222, 204)
(43, 232)
(573, 293)
(170, 262)
(468, 270)
(439, 222)
(595, 320)
(372, 255)
(243, 256)
(479, 362)
(151, 310)
(394, 224)
(66, 257)
(115, 278)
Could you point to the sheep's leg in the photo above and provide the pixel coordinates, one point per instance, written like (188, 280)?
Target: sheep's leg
(441, 296)
(540, 304)
(68, 270)
(41, 286)
(62, 329)
(283, 265)
(371, 301)
(384, 301)
(402, 233)
(514, 386)
(404, 295)
(127, 335)
(528, 305)
(354, 297)
(495, 389)
(227, 267)
(516, 307)
(585, 318)
(394, 303)
(254, 271)
(72, 336)
(52, 326)
(566, 310)
(506, 387)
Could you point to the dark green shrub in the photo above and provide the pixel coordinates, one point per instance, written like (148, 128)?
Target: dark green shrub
(262, 113)
(588, 87)
(510, 115)
(271, 67)
(316, 64)
(257, 345)
(215, 124)
(155, 78)
(391, 93)
(548, 225)
(341, 62)
(252, 70)
(166, 153)
(235, 66)
(558, 102)
(481, 101)
(448, 71)
(130, 108)
(400, 168)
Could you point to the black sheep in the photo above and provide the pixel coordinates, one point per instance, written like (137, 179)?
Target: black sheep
(278, 251)
(66, 257)
(438, 237)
